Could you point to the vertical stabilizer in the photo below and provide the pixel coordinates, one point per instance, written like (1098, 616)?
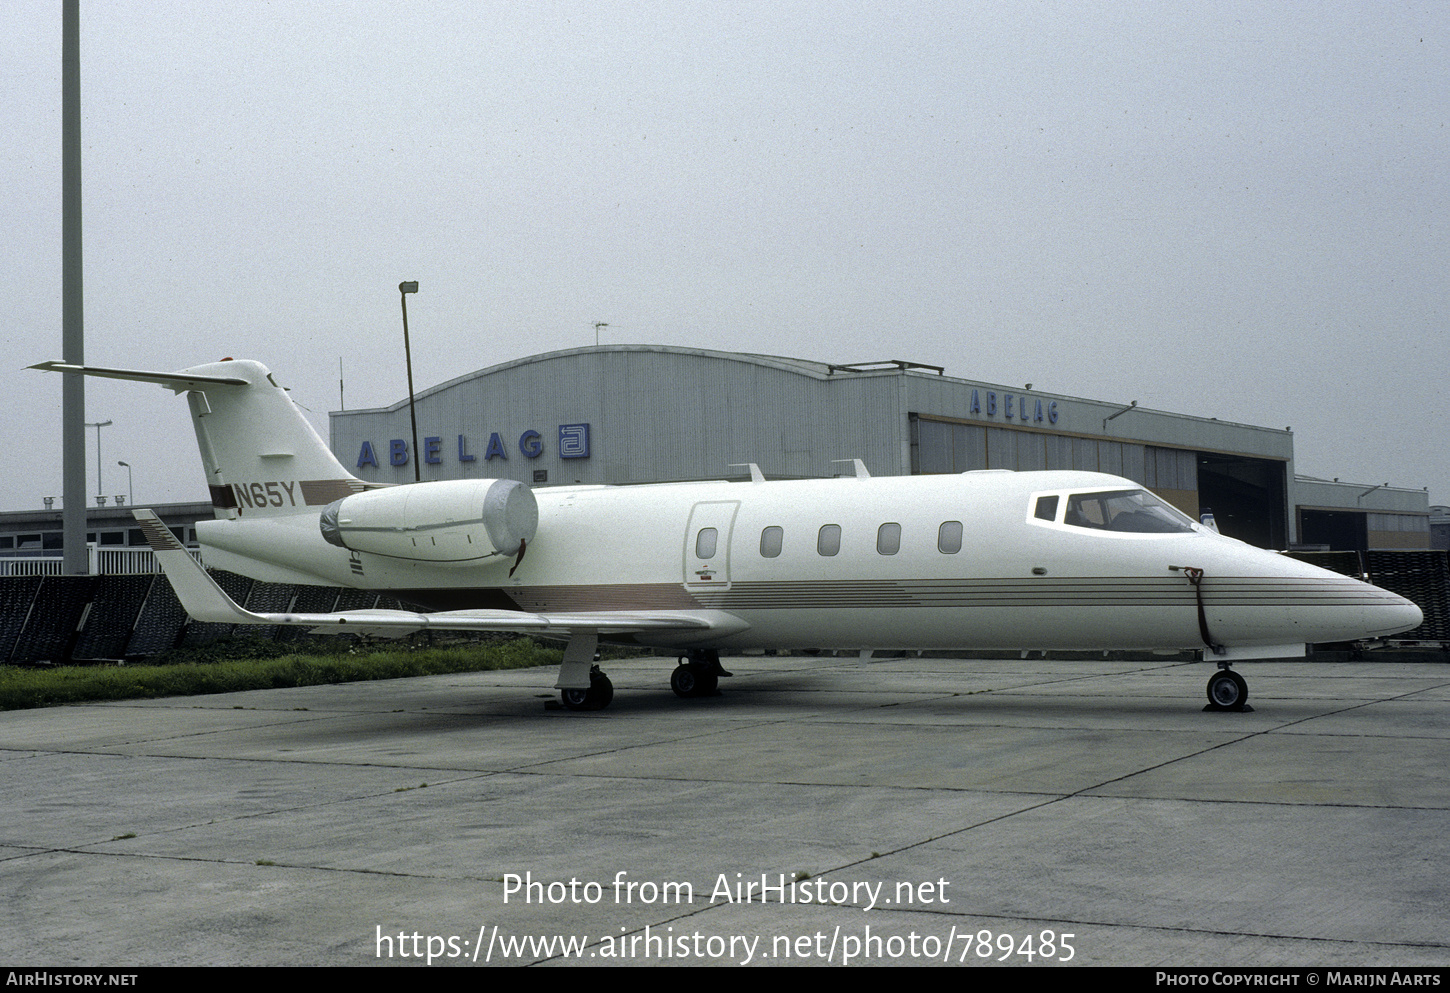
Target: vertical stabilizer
(261, 456)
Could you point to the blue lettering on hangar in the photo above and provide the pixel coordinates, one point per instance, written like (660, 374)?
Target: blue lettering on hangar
(1023, 412)
(573, 444)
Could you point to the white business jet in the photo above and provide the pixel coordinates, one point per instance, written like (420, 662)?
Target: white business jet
(982, 560)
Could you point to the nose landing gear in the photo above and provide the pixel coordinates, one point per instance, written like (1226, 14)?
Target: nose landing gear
(1227, 690)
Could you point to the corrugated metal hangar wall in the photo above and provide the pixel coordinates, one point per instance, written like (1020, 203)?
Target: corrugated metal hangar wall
(634, 413)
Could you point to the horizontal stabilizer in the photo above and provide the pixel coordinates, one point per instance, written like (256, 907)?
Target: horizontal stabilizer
(180, 382)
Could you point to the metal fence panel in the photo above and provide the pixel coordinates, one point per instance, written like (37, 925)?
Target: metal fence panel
(115, 609)
(55, 616)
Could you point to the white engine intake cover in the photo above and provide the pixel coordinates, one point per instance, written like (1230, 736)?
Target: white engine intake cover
(453, 521)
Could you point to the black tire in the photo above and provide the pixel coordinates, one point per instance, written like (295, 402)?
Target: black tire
(601, 690)
(596, 697)
(693, 679)
(1227, 690)
(685, 681)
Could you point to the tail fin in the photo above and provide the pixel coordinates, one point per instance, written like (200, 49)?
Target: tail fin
(261, 456)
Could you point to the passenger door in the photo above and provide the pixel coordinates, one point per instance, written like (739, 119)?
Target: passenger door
(707, 545)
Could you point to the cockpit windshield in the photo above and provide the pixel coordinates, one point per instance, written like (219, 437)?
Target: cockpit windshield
(1134, 511)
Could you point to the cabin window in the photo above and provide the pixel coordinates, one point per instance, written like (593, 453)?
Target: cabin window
(770, 541)
(888, 539)
(949, 537)
(828, 542)
(705, 543)
(1046, 508)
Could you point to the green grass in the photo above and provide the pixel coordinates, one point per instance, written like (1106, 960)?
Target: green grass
(251, 664)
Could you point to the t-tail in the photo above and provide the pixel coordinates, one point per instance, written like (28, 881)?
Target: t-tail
(261, 456)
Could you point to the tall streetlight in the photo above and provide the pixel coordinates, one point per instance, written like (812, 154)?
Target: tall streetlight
(403, 290)
(130, 490)
(100, 486)
(73, 336)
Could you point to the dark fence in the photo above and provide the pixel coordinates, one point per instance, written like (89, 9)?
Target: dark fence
(80, 618)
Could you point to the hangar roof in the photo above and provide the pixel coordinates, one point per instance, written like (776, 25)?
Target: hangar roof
(802, 367)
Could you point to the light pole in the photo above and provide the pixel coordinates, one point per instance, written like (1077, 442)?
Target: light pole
(73, 332)
(403, 290)
(130, 490)
(100, 486)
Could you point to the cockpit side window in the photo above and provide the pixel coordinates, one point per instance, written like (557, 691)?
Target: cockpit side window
(1124, 511)
(1046, 508)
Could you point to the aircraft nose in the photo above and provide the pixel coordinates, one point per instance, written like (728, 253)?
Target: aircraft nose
(1395, 615)
(1373, 612)
(1317, 606)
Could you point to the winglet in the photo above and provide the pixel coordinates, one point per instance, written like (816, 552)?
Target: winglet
(199, 594)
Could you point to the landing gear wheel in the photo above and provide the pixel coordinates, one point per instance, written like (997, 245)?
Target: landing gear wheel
(1227, 691)
(596, 697)
(692, 679)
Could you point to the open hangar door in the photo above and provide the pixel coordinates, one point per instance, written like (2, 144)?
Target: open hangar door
(1334, 530)
(1247, 497)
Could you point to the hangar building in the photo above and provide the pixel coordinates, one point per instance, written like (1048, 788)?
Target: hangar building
(651, 413)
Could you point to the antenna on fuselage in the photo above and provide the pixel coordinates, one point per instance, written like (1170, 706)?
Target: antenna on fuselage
(861, 472)
(756, 476)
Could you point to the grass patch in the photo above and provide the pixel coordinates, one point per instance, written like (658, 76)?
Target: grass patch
(184, 673)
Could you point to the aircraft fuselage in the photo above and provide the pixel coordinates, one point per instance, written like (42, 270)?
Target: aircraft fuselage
(925, 562)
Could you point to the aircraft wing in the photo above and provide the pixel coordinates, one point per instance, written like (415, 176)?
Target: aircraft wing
(204, 600)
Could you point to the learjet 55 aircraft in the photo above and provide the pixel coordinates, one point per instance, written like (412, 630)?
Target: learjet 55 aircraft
(983, 560)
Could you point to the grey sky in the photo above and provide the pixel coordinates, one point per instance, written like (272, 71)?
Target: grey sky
(1230, 210)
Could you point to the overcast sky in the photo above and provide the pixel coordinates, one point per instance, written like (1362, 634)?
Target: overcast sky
(1222, 209)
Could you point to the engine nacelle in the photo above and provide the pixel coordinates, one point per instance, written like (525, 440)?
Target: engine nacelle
(459, 521)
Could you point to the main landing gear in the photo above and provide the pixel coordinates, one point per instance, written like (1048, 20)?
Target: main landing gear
(698, 673)
(1227, 690)
(581, 685)
(596, 697)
